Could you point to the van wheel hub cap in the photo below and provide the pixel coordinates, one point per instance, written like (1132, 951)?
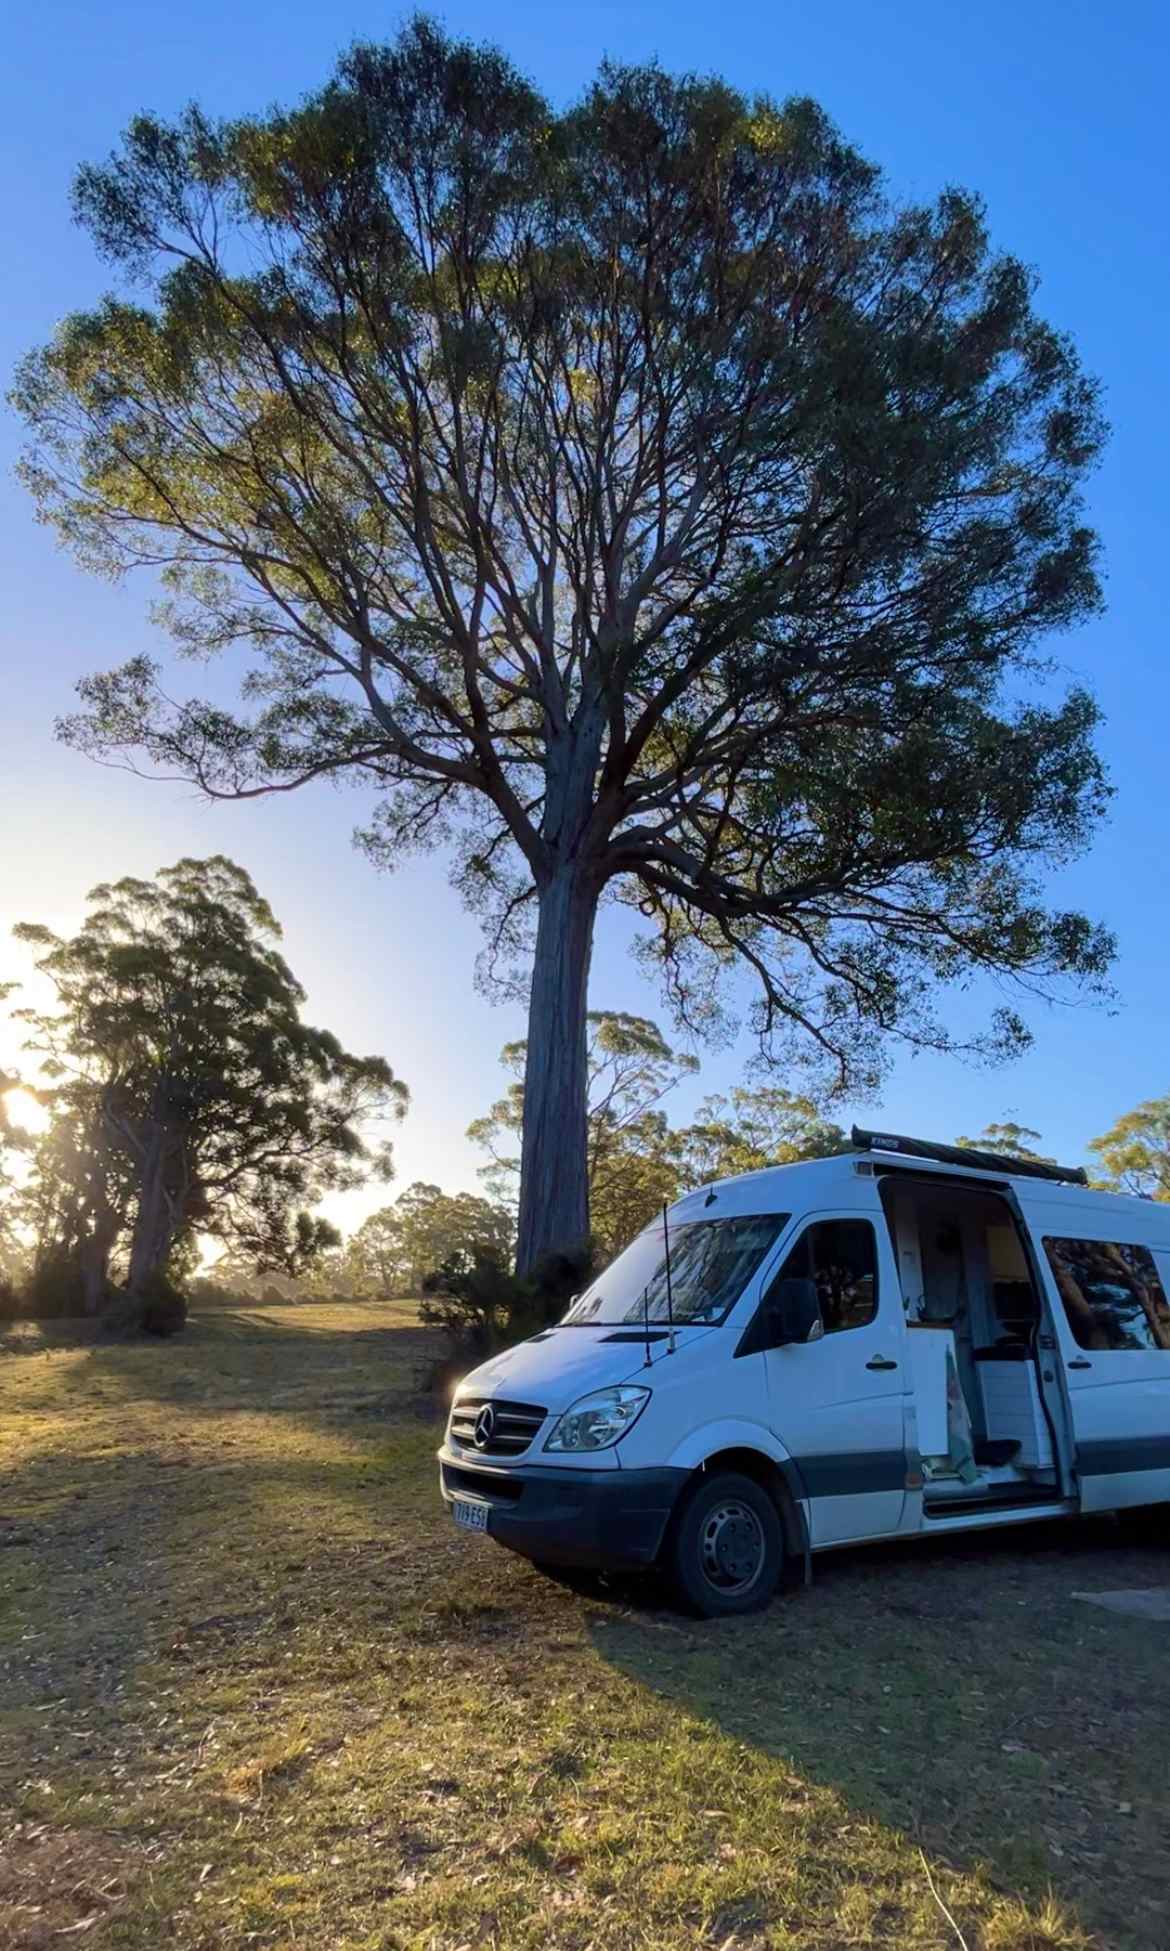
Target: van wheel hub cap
(731, 1546)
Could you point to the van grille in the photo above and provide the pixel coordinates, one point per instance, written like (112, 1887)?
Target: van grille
(489, 1484)
(514, 1424)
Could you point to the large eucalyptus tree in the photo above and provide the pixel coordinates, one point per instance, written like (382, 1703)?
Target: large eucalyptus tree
(192, 1095)
(636, 498)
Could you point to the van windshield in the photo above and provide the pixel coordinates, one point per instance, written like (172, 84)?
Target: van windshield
(711, 1262)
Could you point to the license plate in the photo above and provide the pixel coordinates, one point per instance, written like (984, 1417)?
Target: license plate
(473, 1517)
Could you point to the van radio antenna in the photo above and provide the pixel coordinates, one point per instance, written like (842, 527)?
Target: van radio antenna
(669, 1294)
(646, 1322)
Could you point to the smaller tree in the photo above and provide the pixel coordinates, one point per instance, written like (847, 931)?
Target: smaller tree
(444, 1229)
(179, 1051)
(1013, 1140)
(1134, 1154)
(233, 1271)
(322, 1276)
(749, 1129)
(375, 1256)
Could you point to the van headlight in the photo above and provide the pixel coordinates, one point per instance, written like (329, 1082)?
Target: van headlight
(599, 1420)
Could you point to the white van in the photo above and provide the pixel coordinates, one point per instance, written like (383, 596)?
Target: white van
(905, 1340)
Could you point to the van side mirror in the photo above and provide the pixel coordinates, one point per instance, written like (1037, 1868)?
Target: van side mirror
(789, 1312)
(794, 1309)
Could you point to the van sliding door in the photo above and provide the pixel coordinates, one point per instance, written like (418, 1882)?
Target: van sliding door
(1113, 1320)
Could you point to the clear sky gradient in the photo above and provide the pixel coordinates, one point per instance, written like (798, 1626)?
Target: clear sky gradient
(1051, 110)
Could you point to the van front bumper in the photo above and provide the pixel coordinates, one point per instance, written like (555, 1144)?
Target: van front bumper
(605, 1520)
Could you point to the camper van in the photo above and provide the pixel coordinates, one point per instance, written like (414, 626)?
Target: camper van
(905, 1340)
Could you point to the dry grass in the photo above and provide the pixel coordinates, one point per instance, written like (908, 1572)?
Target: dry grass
(255, 1691)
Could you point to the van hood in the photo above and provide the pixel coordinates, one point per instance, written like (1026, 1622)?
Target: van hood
(562, 1364)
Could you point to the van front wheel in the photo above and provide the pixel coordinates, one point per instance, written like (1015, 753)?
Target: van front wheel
(725, 1551)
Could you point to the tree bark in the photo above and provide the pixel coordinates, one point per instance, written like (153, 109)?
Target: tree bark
(554, 1178)
(154, 1221)
(95, 1263)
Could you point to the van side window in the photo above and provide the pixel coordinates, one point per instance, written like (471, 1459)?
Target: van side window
(840, 1255)
(1111, 1292)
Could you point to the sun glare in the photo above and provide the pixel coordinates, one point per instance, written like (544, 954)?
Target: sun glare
(25, 1112)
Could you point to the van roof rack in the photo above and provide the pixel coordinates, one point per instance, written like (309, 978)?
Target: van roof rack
(968, 1155)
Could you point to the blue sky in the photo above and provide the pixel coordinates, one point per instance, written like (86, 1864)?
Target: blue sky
(1051, 111)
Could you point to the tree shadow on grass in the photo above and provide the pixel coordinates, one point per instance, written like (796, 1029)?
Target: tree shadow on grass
(109, 1562)
(147, 1597)
(238, 1361)
(956, 1690)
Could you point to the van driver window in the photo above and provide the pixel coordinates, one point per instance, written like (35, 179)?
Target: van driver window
(841, 1257)
(1112, 1294)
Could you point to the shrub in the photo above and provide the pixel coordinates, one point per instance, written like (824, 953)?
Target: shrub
(483, 1307)
(162, 1307)
(55, 1288)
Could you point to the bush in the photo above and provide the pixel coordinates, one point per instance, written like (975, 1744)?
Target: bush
(162, 1307)
(483, 1308)
(54, 1289)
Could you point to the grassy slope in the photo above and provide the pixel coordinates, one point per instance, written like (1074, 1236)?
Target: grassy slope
(255, 1690)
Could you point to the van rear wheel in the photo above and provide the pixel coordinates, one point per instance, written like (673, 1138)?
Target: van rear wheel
(725, 1551)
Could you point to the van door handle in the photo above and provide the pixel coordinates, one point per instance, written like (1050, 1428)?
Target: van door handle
(1080, 1364)
(880, 1361)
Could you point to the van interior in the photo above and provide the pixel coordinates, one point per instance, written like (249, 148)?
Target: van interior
(985, 1432)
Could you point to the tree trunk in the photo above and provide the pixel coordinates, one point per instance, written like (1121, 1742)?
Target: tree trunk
(95, 1263)
(554, 1179)
(154, 1222)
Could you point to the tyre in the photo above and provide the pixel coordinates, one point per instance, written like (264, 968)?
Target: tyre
(725, 1551)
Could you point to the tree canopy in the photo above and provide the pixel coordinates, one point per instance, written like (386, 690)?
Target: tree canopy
(190, 1095)
(1013, 1140)
(1134, 1154)
(394, 1250)
(636, 497)
(751, 1127)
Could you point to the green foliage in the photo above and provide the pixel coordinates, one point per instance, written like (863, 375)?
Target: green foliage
(475, 1307)
(53, 1289)
(631, 1069)
(638, 1161)
(394, 1250)
(377, 1263)
(749, 1129)
(190, 1095)
(480, 1306)
(1013, 1140)
(635, 496)
(1134, 1154)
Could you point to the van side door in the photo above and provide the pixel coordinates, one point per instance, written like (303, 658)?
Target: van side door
(837, 1402)
(1113, 1323)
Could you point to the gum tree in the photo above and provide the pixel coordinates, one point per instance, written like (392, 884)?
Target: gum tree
(1013, 1140)
(1134, 1154)
(634, 497)
(749, 1129)
(197, 1098)
(630, 1149)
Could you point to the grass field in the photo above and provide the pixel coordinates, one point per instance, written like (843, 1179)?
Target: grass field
(256, 1691)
